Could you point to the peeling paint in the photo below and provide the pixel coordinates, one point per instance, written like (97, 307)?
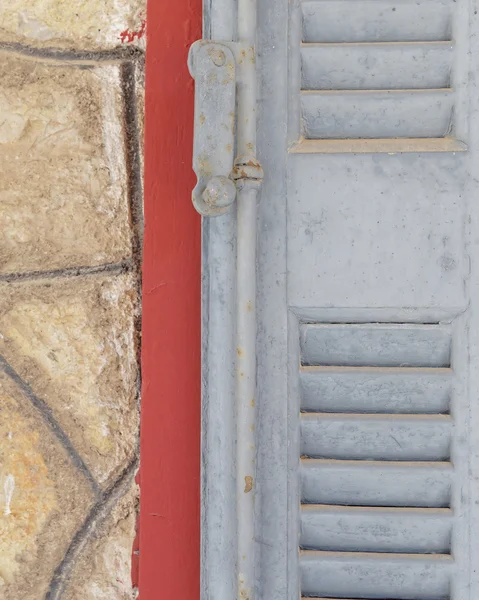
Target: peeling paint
(128, 36)
(8, 487)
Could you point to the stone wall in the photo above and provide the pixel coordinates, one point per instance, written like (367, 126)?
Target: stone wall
(71, 222)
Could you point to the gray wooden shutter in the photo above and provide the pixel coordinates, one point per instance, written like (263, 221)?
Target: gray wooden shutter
(367, 406)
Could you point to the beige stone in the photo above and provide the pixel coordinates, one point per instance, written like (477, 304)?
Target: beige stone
(73, 341)
(43, 498)
(103, 571)
(63, 190)
(79, 24)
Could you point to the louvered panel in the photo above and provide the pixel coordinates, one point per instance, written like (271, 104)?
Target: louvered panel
(376, 20)
(376, 477)
(389, 66)
(387, 390)
(376, 114)
(375, 575)
(371, 529)
(376, 345)
(383, 437)
(376, 483)
(377, 70)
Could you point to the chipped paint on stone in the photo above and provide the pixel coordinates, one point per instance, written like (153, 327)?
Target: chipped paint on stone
(8, 489)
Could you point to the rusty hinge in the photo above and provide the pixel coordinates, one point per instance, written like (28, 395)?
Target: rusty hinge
(214, 67)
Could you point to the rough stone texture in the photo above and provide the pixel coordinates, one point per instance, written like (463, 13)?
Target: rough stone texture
(71, 128)
(43, 498)
(77, 24)
(108, 551)
(73, 342)
(62, 166)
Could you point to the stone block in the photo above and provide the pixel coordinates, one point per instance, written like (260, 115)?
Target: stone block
(103, 570)
(73, 340)
(44, 499)
(73, 24)
(63, 177)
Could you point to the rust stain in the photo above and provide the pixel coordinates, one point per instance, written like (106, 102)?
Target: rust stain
(248, 484)
(249, 306)
(204, 166)
(239, 351)
(228, 148)
(202, 119)
(244, 595)
(250, 146)
(252, 403)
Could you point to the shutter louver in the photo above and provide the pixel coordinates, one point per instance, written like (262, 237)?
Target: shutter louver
(376, 477)
(375, 71)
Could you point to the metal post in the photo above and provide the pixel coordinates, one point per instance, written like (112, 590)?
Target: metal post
(216, 73)
(248, 174)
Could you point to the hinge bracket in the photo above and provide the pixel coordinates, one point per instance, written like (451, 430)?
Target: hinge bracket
(213, 67)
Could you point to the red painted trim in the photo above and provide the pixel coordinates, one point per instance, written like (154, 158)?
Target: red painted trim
(170, 423)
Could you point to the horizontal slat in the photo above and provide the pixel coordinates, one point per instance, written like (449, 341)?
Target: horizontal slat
(373, 146)
(375, 483)
(387, 390)
(376, 529)
(376, 66)
(383, 437)
(376, 20)
(390, 345)
(376, 114)
(368, 575)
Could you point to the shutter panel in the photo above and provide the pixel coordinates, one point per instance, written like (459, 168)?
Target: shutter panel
(367, 309)
(375, 485)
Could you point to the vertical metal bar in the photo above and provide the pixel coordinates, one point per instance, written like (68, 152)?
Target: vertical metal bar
(218, 510)
(246, 302)
(247, 82)
(219, 558)
(246, 390)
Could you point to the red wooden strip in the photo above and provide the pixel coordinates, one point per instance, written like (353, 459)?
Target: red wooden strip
(170, 423)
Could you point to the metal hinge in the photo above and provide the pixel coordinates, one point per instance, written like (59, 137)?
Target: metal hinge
(216, 68)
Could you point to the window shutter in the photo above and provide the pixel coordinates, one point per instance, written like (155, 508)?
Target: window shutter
(367, 271)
